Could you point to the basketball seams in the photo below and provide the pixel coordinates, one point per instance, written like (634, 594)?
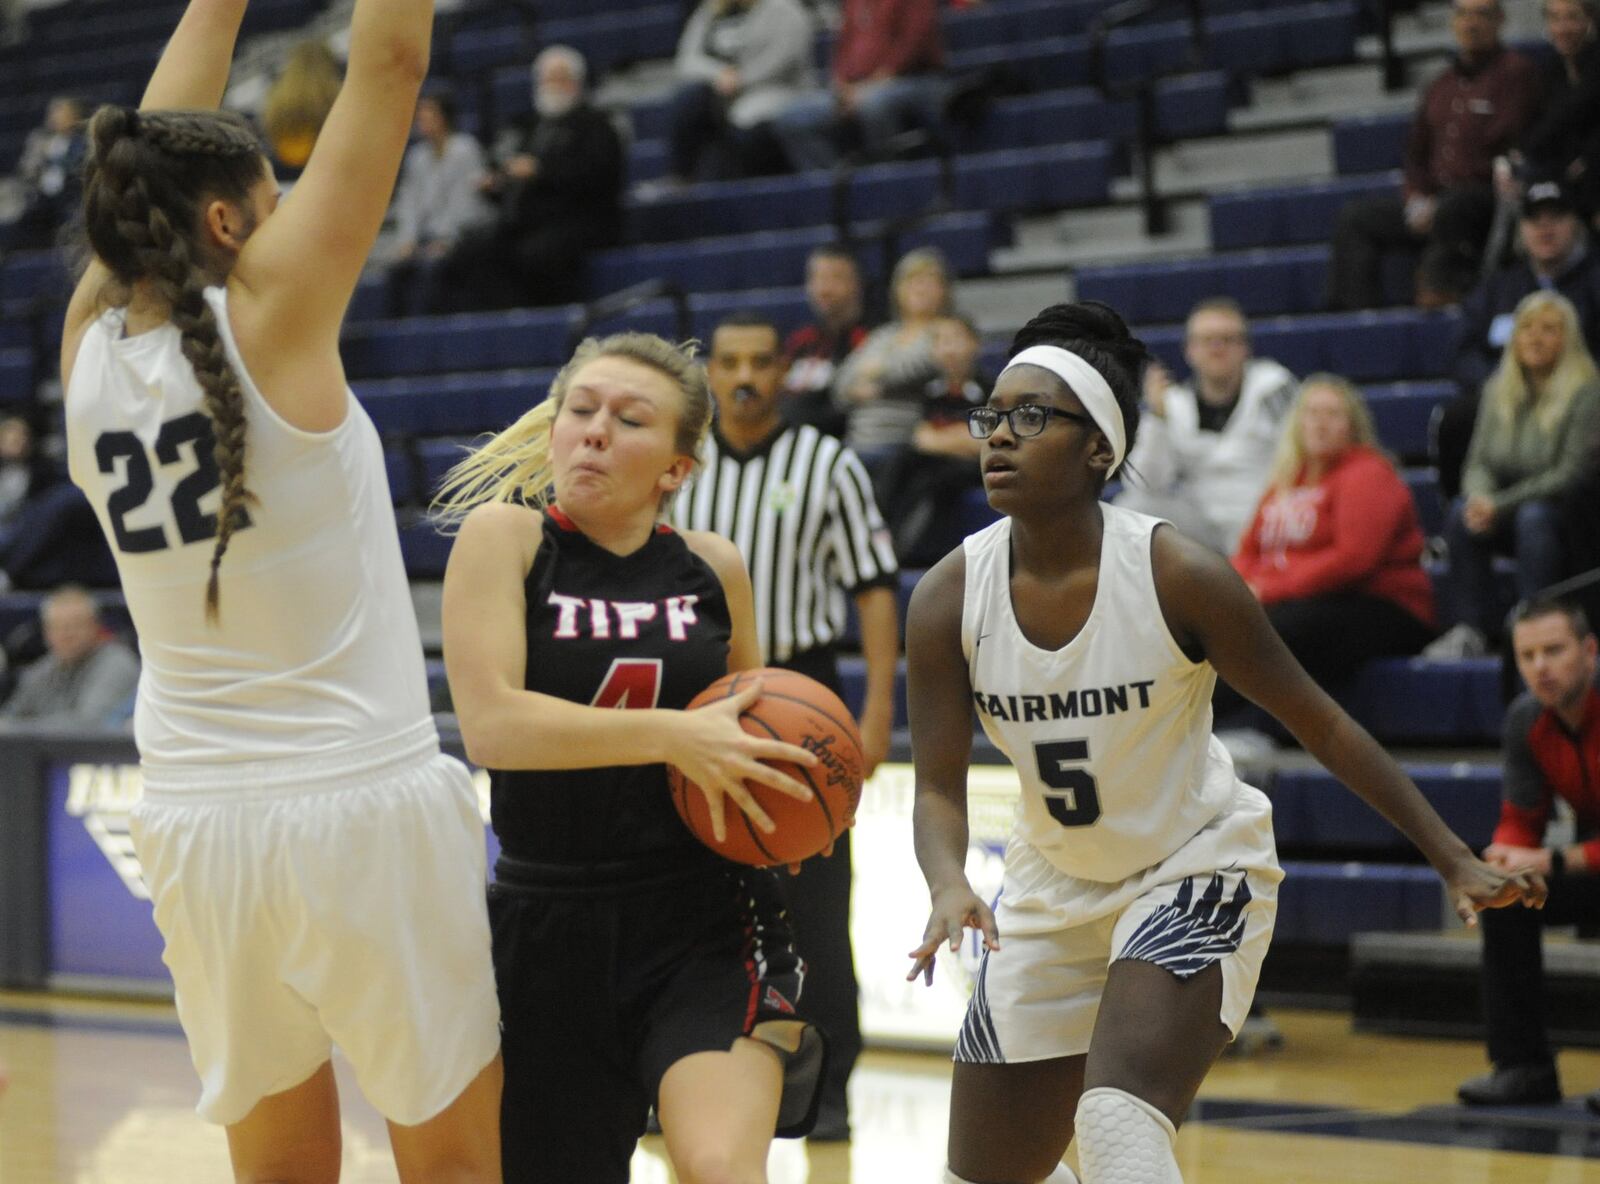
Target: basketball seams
(816, 794)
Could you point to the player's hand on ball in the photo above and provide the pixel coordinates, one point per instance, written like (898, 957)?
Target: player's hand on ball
(714, 752)
(1474, 885)
(955, 910)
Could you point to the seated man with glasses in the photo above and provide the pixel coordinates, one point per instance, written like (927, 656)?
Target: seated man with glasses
(1206, 445)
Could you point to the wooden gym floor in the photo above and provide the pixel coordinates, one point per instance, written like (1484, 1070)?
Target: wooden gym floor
(103, 1094)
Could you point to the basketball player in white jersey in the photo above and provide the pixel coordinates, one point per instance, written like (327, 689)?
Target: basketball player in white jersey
(1141, 878)
(316, 865)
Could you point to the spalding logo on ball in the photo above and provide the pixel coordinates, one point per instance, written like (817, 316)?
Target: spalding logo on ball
(799, 711)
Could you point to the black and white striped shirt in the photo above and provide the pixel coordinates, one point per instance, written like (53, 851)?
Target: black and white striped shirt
(800, 510)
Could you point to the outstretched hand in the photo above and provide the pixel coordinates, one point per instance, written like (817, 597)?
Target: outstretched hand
(1474, 886)
(955, 910)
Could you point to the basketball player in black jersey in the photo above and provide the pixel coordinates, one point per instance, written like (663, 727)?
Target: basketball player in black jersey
(635, 966)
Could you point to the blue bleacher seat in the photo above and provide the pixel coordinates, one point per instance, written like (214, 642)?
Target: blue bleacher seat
(609, 39)
(1311, 808)
(1285, 280)
(27, 275)
(1371, 143)
(17, 375)
(425, 550)
(1402, 411)
(1286, 214)
(1325, 903)
(469, 341)
(452, 404)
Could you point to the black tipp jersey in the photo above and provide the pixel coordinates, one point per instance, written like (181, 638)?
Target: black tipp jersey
(644, 630)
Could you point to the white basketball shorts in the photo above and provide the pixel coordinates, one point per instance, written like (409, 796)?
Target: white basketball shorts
(335, 900)
(1212, 900)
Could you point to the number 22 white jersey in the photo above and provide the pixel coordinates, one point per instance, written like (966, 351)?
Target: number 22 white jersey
(1111, 734)
(317, 647)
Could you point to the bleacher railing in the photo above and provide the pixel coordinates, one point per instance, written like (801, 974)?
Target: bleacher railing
(1143, 91)
(623, 301)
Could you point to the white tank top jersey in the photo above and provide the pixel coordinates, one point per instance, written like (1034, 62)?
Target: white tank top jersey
(317, 647)
(1111, 734)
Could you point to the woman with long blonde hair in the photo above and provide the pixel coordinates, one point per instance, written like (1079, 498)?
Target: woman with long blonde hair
(635, 966)
(1534, 446)
(1334, 550)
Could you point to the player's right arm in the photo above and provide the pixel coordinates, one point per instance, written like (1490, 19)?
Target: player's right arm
(506, 726)
(939, 692)
(192, 73)
(294, 278)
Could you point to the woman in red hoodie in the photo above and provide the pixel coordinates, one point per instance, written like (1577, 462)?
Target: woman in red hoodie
(1334, 549)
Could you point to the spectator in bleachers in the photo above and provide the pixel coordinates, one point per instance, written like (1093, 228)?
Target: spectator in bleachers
(439, 198)
(24, 473)
(86, 675)
(1552, 746)
(880, 386)
(1565, 131)
(888, 72)
(48, 532)
(923, 487)
(813, 353)
(740, 62)
(1533, 453)
(1556, 257)
(1207, 446)
(298, 103)
(1470, 114)
(1334, 552)
(50, 171)
(557, 176)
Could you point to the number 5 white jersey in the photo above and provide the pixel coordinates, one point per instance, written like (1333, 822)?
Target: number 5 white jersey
(1111, 734)
(317, 647)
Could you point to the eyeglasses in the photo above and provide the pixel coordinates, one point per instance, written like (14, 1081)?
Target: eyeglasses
(1025, 419)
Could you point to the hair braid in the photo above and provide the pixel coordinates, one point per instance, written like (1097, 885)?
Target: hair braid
(148, 178)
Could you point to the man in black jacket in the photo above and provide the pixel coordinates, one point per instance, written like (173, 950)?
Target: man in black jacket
(558, 181)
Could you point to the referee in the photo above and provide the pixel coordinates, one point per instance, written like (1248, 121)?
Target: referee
(798, 505)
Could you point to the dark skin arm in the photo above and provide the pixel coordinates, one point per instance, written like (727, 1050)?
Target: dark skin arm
(941, 741)
(1211, 613)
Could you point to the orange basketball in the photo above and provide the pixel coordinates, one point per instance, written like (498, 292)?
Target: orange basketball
(800, 711)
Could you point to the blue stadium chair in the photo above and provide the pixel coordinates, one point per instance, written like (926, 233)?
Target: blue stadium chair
(402, 480)
(1371, 143)
(1416, 700)
(1145, 51)
(435, 458)
(1017, 181)
(471, 51)
(26, 275)
(647, 161)
(1194, 104)
(1402, 411)
(1311, 808)
(1054, 117)
(470, 341)
(452, 404)
(424, 550)
(1047, 63)
(16, 375)
(1326, 903)
(734, 207)
(610, 39)
(1288, 214)
(1287, 280)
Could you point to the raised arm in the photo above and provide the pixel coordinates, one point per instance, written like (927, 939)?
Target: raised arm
(295, 276)
(939, 689)
(1209, 609)
(193, 74)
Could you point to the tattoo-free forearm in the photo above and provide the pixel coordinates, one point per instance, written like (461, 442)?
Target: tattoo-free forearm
(193, 70)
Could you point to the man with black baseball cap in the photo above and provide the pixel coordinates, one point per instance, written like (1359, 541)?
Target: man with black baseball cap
(1555, 254)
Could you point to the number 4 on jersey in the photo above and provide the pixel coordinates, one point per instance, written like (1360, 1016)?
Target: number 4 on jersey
(631, 682)
(1074, 797)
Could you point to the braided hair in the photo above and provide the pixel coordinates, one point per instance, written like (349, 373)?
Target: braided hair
(148, 177)
(1098, 334)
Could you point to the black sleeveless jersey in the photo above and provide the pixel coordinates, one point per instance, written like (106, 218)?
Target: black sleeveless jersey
(650, 629)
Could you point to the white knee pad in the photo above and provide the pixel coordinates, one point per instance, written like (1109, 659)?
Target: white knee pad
(1062, 1175)
(1124, 1140)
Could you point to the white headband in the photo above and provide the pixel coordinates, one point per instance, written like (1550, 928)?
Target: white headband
(1087, 383)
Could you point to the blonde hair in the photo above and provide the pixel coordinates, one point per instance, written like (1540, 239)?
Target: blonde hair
(1290, 459)
(915, 262)
(299, 101)
(515, 466)
(1508, 389)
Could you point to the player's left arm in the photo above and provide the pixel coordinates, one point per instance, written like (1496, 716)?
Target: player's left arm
(744, 645)
(1211, 613)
